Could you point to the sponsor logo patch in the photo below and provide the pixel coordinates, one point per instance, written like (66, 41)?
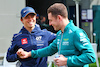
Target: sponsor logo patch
(24, 41)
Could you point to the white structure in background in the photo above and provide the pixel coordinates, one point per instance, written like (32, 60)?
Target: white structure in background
(77, 11)
(94, 45)
(9, 21)
(94, 2)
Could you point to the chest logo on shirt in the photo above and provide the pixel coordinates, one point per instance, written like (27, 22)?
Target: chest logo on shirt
(70, 31)
(38, 38)
(24, 41)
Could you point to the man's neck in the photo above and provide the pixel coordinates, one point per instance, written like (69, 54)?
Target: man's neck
(65, 23)
(30, 29)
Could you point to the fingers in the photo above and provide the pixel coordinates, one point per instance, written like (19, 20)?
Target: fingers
(60, 61)
(23, 54)
(56, 61)
(61, 55)
(22, 57)
(20, 53)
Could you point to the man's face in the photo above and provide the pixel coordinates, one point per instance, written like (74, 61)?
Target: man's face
(29, 21)
(54, 22)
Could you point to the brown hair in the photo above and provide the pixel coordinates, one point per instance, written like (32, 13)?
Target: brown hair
(58, 9)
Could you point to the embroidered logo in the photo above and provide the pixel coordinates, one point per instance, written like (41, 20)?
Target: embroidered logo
(66, 39)
(38, 38)
(70, 31)
(24, 41)
(83, 39)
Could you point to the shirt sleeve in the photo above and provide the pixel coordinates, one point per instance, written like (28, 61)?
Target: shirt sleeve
(44, 52)
(83, 45)
(51, 36)
(11, 53)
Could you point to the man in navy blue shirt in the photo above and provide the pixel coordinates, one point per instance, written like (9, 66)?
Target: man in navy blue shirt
(30, 37)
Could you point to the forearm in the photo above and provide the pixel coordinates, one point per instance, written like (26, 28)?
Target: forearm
(44, 52)
(81, 60)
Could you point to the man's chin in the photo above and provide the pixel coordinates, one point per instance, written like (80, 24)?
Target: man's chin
(55, 29)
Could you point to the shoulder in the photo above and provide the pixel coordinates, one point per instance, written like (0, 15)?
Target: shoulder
(16, 35)
(48, 32)
(37, 25)
(74, 28)
(71, 27)
(81, 36)
(45, 30)
(80, 33)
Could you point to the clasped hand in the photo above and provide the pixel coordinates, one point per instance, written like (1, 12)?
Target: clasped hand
(61, 61)
(23, 54)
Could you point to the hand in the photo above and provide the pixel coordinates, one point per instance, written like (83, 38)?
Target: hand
(23, 54)
(61, 61)
(20, 52)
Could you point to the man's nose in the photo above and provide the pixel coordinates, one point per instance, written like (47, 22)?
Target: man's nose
(50, 23)
(31, 19)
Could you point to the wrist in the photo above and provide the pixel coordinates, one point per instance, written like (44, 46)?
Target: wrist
(65, 61)
(32, 53)
(29, 54)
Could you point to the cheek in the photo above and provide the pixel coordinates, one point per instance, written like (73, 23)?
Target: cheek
(34, 20)
(23, 22)
(55, 23)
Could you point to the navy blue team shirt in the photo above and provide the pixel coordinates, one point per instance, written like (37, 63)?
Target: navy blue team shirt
(37, 39)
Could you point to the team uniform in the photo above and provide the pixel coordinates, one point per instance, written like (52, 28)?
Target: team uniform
(74, 44)
(37, 39)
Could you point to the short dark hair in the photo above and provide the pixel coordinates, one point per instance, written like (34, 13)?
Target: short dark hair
(21, 18)
(28, 14)
(58, 9)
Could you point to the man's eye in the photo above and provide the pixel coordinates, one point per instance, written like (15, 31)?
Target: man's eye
(32, 16)
(26, 17)
(50, 20)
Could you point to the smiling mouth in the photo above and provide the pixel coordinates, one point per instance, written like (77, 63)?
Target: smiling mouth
(30, 22)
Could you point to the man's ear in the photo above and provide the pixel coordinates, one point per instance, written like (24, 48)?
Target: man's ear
(59, 17)
(21, 20)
